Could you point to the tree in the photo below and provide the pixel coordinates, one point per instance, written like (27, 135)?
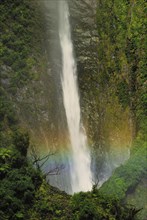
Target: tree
(40, 161)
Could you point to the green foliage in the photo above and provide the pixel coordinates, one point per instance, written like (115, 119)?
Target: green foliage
(5, 156)
(18, 23)
(138, 198)
(93, 205)
(21, 142)
(123, 93)
(6, 111)
(127, 176)
(19, 179)
(127, 179)
(16, 45)
(51, 203)
(119, 72)
(123, 46)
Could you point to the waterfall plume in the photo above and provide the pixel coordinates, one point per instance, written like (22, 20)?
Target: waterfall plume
(80, 171)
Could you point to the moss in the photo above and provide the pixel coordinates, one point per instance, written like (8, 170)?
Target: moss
(138, 197)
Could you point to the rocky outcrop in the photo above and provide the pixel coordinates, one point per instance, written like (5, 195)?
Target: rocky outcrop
(85, 37)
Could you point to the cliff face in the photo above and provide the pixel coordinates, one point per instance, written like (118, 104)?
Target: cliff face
(32, 84)
(21, 63)
(107, 123)
(31, 66)
(85, 36)
(109, 48)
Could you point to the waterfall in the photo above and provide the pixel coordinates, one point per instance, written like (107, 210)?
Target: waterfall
(80, 162)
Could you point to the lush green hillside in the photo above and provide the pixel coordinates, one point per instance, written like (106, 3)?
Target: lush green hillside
(25, 194)
(122, 57)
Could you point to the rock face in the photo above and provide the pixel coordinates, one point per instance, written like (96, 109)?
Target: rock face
(100, 107)
(38, 102)
(85, 37)
(85, 40)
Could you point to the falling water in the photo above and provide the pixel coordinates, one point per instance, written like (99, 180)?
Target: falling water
(81, 177)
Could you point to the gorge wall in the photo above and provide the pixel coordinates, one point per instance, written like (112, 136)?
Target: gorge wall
(38, 100)
(108, 125)
(105, 52)
(109, 44)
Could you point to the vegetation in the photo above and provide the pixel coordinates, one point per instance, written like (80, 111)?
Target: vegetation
(25, 193)
(122, 46)
(114, 105)
(122, 53)
(127, 176)
(113, 94)
(18, 23)
(120, 62)
(21, 63)
(19, 180)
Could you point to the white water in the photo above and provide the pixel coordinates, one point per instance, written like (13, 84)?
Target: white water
(81, 176)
